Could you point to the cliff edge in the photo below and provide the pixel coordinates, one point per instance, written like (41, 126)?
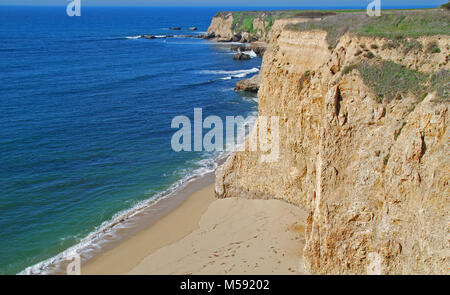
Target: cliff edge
(251, 26)
(364, 144)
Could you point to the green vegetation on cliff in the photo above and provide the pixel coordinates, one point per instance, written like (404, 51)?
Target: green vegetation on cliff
(390, 80)
(243, 20)
(392, 24)
(407, 24)
(243, 23)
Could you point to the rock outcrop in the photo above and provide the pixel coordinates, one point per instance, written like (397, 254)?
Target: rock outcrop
(250, 85)
(257, 47)
(250, 26)
(241, 56)
(224, 28)
(373, 173)
(221, 27)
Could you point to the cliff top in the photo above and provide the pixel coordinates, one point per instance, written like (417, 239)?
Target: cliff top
(392, 24)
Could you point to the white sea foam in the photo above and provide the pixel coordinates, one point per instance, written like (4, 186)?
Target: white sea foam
(237, 72)
(228, 43)
(92, 243)
(251, 53)
(133, 37)
(231, 74)
(240, 75)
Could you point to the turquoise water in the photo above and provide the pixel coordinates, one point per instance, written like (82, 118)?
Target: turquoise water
(86, 116)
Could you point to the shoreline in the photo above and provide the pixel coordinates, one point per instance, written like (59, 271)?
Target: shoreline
(166, 212)
(129, 223)
(126, 224)
(206, 235)
(135, 224)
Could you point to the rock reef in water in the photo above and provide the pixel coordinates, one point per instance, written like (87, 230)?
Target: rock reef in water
(241, 56)
(258, 48)
(250, 85)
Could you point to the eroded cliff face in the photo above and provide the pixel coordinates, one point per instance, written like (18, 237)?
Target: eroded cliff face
(221, 26)
(373, 174)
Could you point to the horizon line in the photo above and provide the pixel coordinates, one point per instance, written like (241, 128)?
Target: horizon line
(251, 6)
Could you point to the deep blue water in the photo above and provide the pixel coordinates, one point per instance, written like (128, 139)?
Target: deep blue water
(86, 114)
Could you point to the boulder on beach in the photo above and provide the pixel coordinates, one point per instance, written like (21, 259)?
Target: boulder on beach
(241, 56)
(251, 84)
(193, 29)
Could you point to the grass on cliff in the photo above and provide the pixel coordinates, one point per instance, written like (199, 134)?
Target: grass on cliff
(407, 24)
(246, 25)
(243, 20)
(393, 25)
(440, 82)
(390, 81)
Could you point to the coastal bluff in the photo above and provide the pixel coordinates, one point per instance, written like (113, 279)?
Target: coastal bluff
(364, 141)
(251, 26)
(224, 27)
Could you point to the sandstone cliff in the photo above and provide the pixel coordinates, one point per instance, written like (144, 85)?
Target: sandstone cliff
(251, 85)
(247, 26)
(370, 162)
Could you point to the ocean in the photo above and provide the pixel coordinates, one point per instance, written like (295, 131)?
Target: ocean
(86, 111)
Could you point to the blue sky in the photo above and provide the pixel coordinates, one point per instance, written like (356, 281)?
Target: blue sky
(235, 3)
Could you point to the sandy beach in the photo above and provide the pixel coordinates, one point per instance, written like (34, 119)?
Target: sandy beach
(205, 235)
